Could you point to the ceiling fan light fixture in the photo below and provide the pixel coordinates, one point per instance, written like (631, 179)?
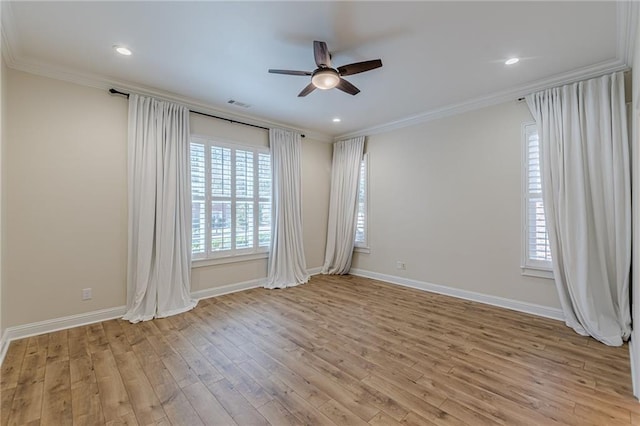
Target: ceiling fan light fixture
(325, 78)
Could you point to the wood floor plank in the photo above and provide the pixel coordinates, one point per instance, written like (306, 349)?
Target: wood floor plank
(296, 405)
(10, 370)
(56, 403)
(85, 394)
(58, 348)
(234, 403)
(241, 382)
(116, 336)
(321, 387)
(33, 368)
(276, 414)
(86, 404)
(382, 419)
(413, 419)
(27, 404)
(115, 401)
(339, 350)
(128, 419)
(207, 406)
(96, 338)
(200, 367)
(180, 411)
(78, 342)
(465, 414)
(411, 402)
(6, 400)
(339, 414)
(145, 403)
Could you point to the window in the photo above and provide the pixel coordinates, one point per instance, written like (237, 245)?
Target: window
(231, 199)
(361, 218)
(536, 248)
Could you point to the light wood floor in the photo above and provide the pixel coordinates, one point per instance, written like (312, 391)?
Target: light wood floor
(338, 350)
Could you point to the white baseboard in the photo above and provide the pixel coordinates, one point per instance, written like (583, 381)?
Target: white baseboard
(515, 305)
(315, 271)
(4, 345)
(48, 326)
(55, 324)
(227, 289)
(232, 288)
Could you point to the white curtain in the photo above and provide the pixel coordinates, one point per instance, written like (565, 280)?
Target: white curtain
(343, 205)
(159, 262)
(587, 200)
(287, 266)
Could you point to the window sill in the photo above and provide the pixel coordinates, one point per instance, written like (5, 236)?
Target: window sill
(366, 250)
(200, 263)
(537, 272)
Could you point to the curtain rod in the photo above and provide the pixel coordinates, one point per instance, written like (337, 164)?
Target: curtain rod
(117, 92)
(625, 72)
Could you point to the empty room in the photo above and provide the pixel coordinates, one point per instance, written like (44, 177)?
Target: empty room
(319, 213)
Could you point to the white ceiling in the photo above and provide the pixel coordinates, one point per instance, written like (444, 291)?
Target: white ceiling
(437, 56)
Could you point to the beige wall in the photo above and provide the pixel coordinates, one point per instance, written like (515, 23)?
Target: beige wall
(66, 196)
(66, 199)
(445, 198)
(316, 184)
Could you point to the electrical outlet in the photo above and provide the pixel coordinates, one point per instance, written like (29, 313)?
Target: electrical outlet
(86, 294)
(401, 265)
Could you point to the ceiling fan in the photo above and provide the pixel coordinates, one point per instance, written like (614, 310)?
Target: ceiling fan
(325, 77)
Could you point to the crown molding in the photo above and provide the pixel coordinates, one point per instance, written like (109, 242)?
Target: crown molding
(99, 82)
(627, 18)
(493, 99)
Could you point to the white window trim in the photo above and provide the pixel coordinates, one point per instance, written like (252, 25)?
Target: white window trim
(530, 271)
(363, 247)
(221, 260)
(232, 255)
(529, 267)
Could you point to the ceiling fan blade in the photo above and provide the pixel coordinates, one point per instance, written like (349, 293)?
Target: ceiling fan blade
(321, 54)
(290, 72)
(347, 87)
(310, 88)
(359, 67)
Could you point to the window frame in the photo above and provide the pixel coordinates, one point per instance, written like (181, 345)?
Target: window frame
(529, 267)
(234, 254)
(363, 246)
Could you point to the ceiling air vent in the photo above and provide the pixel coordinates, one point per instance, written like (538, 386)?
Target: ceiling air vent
(238, 103)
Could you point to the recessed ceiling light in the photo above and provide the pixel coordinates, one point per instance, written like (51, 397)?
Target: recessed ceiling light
(511, 61)
(122, 50)
(336, 120)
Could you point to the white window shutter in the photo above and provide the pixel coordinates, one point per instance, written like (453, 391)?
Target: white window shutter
(537, 251)
(231, 199)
